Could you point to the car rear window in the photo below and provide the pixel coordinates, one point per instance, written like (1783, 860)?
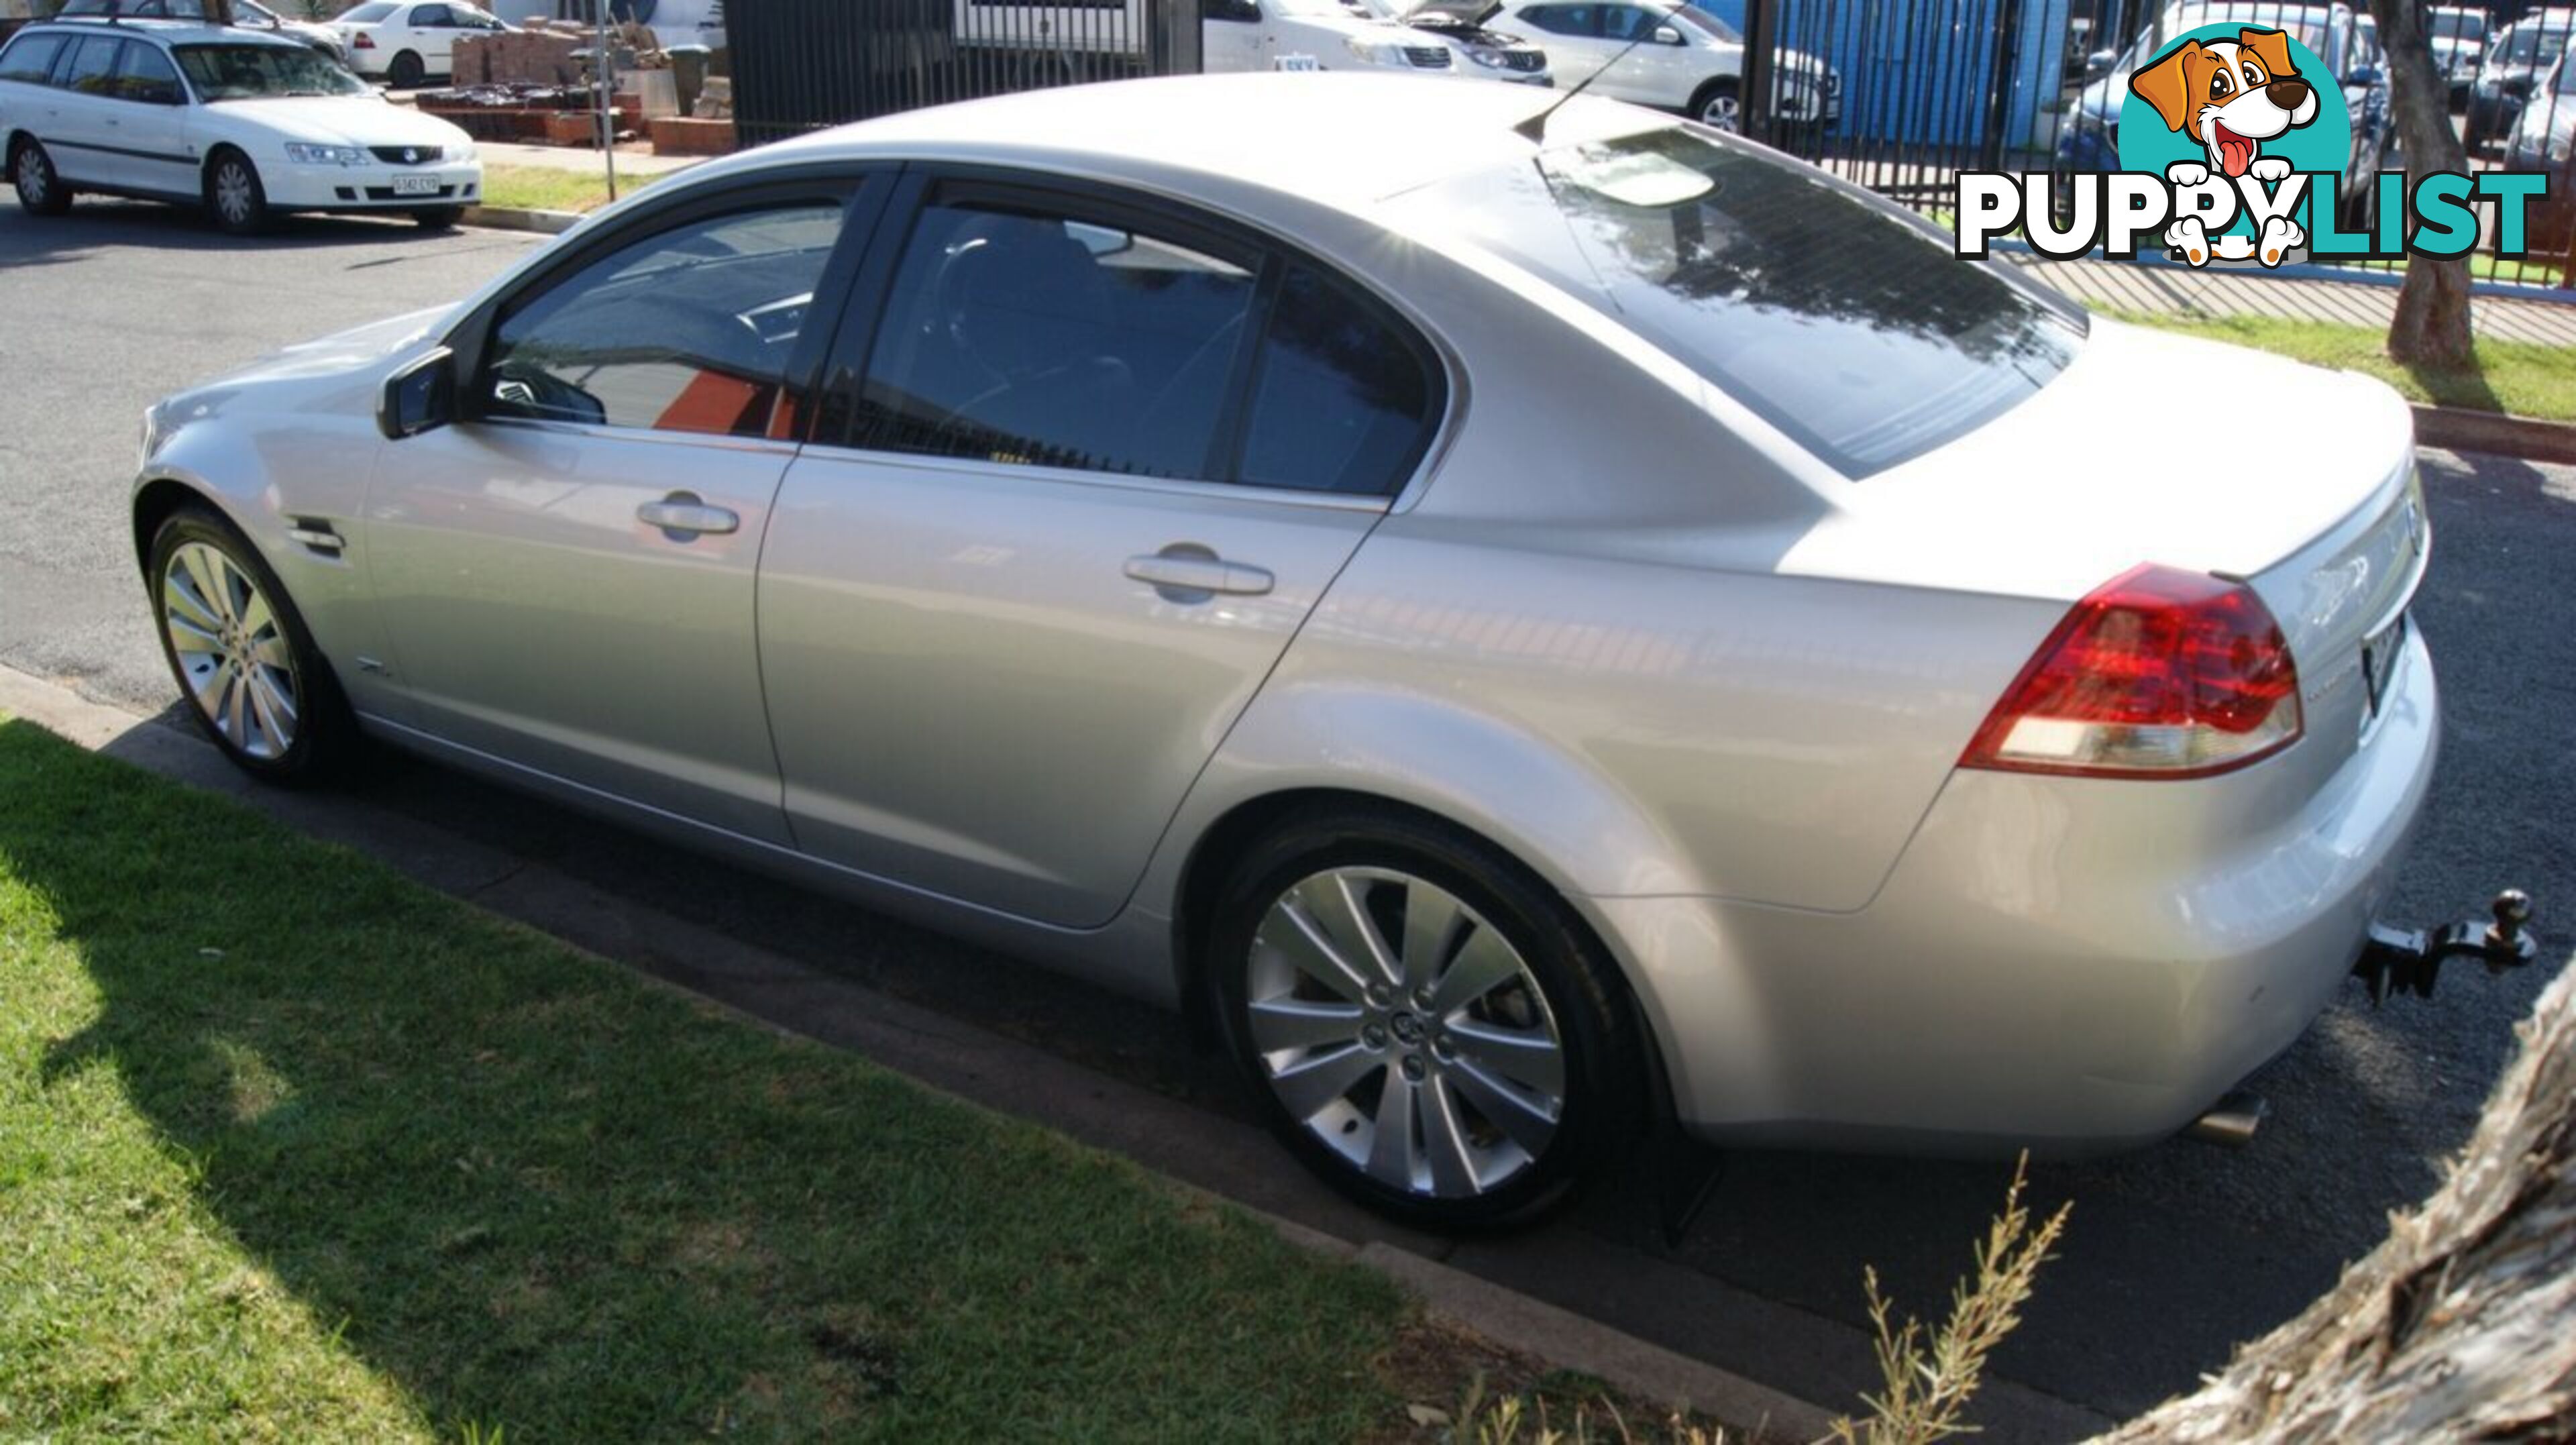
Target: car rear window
(1841, 319)
(367, 14)
(28, 58)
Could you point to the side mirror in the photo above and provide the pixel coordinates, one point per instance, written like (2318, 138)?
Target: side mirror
(420, 396)
(1667, 35)
(2099, 63)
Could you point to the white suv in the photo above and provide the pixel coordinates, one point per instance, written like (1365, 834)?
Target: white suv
(246, 124)
(1673, 58)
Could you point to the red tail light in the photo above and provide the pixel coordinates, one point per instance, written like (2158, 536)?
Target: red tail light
(2158, 673)
(362, 41)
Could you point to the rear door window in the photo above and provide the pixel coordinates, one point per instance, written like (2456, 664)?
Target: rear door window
(92, 70)
(30, 58)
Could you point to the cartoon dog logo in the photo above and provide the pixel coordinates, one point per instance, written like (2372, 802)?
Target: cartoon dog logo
(2230, 96)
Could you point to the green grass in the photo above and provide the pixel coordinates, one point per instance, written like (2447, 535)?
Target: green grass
(291, 1148)
(2524, 378)
(545, 188)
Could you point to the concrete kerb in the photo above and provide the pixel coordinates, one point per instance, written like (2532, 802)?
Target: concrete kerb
(2530, 438)
(514, 218)
(939, 1052)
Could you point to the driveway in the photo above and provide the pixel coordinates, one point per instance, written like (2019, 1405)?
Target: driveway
(2174, 1254)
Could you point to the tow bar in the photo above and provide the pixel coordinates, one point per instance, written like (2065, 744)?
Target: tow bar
(2399, 960)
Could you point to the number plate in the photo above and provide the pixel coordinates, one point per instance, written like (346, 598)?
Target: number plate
(1299, 63)
(415, 185)
(2379, 659)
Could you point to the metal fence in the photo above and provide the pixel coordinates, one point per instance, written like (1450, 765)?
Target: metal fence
(802, 64)
(1928, 88)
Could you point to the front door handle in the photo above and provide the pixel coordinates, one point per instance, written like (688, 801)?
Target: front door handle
(1188, 572)
(683, 515)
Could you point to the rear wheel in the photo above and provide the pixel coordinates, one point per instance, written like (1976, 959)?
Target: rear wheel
(254, 681)
(406, 72)
(40, 187)
(235, 196)
(1429, 1028)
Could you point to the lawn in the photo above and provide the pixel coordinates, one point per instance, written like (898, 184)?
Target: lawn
(291, 1148)
(2511, 376)
(546, 188)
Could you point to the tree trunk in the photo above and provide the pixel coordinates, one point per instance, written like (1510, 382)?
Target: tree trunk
(2462, 1324)
(2432, 321)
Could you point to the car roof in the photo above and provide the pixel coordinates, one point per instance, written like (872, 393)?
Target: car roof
(1341, 138)
(168, 32)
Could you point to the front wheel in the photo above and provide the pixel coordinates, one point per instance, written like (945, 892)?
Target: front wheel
(1429, 1028)
(235, 196)
(239, 650)
(1715, 107)
(40, 188)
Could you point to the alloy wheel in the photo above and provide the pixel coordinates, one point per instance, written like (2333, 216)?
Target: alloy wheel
(1404, 1032)
(1720, 112)
(35, 178)
(232, 651)
(235, 193)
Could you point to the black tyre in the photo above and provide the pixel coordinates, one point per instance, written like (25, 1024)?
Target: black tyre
(234, 196)
(438, 218)
(1427, 1026)
(405, 72)
(40, 187)
(240, 653)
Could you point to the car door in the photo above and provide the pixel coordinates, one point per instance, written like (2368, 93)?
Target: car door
(77, 132)
(28, 100)
(1646, 69)
(430, 31)
(567, 573)
(1068, 501)
(1571, 35)
(148, 122)
(1232, 36)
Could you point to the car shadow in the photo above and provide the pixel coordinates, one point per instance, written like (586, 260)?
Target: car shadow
(97, 223)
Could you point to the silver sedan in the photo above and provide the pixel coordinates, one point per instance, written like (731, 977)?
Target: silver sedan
(1527, 624)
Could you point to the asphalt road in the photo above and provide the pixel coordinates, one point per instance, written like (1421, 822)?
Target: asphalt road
(2174, 1254)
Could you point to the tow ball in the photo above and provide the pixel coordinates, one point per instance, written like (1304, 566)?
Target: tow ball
(2401, 960)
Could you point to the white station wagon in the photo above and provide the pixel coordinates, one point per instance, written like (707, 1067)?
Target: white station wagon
(248, 125)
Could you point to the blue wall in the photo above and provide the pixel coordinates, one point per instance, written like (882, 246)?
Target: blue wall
(1918, 71)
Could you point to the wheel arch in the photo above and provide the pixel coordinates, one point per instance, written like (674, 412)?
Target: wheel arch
(1214, 851)
(155, 498)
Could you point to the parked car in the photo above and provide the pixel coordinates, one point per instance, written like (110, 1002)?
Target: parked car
(407, 43)
(1246, 35)
(247, 125)
(2517, 59)
(1465, 27)
(1677, 59)
(2541, 141)
(2459, 40)
(247, 14)
(2089, 139)
(1519, 635)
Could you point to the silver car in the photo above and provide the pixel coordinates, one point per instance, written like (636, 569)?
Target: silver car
(1523, 637)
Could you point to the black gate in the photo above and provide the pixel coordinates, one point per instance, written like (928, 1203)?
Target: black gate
(799, 65)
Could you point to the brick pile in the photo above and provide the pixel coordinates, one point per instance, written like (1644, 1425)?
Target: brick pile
(518, 57)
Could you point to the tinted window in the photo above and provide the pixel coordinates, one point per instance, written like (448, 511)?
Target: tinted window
(1628, 22)
(430, 17)
(1583, 20)
(1343, 398)
(1835, 316)
(689, 330)
(147, 76)
(1029, 337)
(29, 57)
(93, 66)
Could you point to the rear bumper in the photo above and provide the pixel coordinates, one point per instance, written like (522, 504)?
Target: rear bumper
(2062, 964)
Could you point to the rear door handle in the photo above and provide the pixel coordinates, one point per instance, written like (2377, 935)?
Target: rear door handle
(682, 514)
(1195, 574)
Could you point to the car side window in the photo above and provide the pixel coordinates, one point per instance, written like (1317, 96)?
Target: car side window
(92, 68)
(147, 76)
(431, 17)
(1236, 10)
(687, 330)
(1034, 334)
(30, 58)
(1344, 397)
(1581, 21)
(1627, 22)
